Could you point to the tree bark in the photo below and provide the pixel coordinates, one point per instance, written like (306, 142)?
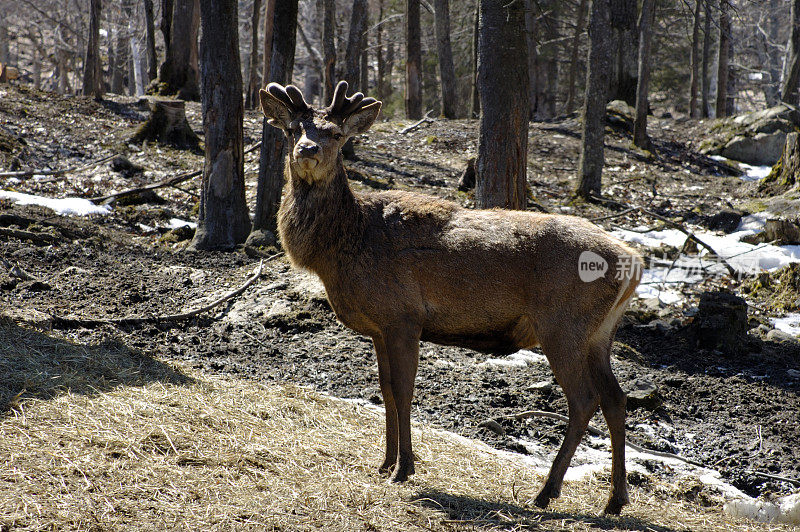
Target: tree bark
(626, 41)
(531, 33)
(179, 72)
(789, 92)
(4, 41)
(590, 165)
(413, 96)
(251, 95)
(167, 8)
(694, 60)
(546, 59)
(150, 29)
(273, 145)
(646, 17)
(705, 82)
(503, 133)
(447, 72)
(573, 57)
(92, 69)
(224, 221)
(355, 41)
(475, 103)
(329, 49)
(269, 26)
(722, 65)
(118, 62)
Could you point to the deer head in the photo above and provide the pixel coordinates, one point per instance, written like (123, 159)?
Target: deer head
(316, 136)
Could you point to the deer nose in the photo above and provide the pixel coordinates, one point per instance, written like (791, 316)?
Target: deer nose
(307, 149)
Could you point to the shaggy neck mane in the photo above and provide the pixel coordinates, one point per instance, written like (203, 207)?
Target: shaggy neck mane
(319, 224)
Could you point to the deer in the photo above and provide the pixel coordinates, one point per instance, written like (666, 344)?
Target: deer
(402, 267)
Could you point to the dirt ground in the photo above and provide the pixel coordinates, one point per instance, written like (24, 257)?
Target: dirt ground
(738, 414)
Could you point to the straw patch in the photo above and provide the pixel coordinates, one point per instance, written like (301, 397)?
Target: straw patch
(161, 451)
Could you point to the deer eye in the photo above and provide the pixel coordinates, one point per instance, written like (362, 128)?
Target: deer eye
(337, 136)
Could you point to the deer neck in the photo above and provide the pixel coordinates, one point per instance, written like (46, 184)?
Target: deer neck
(319, 224)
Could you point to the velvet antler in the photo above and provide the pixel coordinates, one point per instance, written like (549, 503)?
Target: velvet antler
(343, 106)
(290, 96)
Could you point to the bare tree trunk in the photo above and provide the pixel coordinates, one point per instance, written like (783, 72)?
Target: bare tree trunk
(3, 41)
(224, 221)
(447, 72)
(364, 70)
(179, 72)
(626, 40)
(355, 39)
(273, 145)
(167, 8)
(150, 32)
(503, 77)
(92, 69)
(789, 92)
(269, 26)
(137, 77)
(475, 103)
(590, 166)
(329, 49)
(251, 95)
(705, 81)
(573, 57)
(722, 66)
(646, 16)
(531, 33)
(694, 61)
(413, 97)
(546, 62)
(117, 61)
(37, 68)
(380, 89)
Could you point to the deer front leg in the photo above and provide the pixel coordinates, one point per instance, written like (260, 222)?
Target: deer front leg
(402, 355)
(385, 380)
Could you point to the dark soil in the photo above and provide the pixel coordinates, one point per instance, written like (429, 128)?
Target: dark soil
(738, 414)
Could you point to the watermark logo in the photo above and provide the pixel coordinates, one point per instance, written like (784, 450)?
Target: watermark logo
(591, 266)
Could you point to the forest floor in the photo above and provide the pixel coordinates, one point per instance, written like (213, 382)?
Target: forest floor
(737, 414)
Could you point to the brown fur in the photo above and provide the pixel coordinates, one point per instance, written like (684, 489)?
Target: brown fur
(402, 267)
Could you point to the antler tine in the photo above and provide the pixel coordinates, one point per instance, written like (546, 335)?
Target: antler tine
(279, 92)
(296, 97)
(351, 104)
(339, 95)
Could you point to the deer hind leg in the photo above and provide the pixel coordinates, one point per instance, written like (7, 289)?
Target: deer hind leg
(385, 380)
(612, 402)
(571, 373)
(402, 358)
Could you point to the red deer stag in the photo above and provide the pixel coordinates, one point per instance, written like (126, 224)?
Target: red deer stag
(401, 267)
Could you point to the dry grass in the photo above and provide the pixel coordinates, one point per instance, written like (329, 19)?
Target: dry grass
(151, 449)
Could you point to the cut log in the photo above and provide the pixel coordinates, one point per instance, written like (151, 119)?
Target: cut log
(168, 125)
(783, 176)
(7, 73)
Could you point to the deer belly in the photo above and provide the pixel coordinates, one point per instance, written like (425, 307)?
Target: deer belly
(496, 339)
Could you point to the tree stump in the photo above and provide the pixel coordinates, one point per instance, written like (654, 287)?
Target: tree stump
(7, 73)
(467, 180)
(168, 125)
(783, 176)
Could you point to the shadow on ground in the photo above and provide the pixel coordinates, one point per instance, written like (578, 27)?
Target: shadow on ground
(36, 365)
(487, 514)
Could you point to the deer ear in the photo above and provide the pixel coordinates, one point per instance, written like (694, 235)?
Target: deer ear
(275, 110)
(361, 120)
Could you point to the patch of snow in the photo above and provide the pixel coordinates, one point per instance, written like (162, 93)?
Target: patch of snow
(175, 223)
(521, 359)
(784, 510)
(788, 324)
(63, 206)
(754, 173)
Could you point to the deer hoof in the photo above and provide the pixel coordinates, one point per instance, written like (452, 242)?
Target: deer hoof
(386, 468)
(615, 504)
(542, 501)
(402, 473)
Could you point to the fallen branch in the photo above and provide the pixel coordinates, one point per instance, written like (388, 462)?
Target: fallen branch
(66, 322)
(56, 173)
(415, 125)
(40, 239)
(171, 182)
(774, 477)
(597, 432)
(671, 223)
